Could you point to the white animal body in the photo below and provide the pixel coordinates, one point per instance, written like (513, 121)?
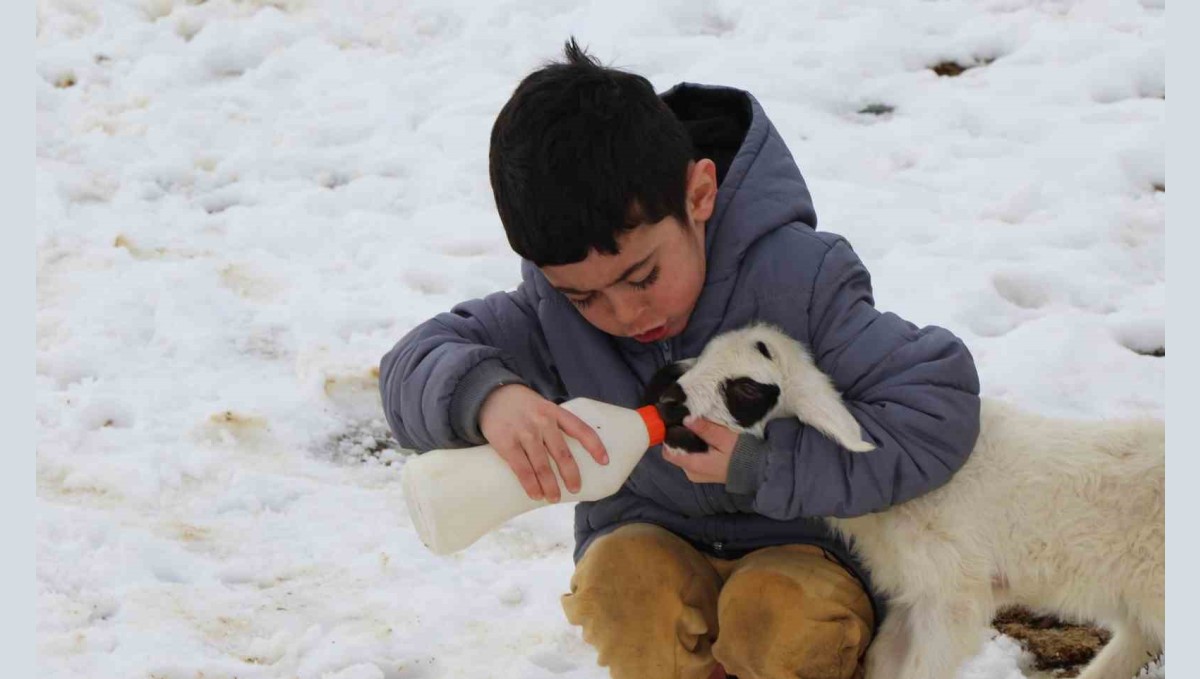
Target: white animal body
(1063, 516)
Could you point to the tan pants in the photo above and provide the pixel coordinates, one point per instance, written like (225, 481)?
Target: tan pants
(652, 606)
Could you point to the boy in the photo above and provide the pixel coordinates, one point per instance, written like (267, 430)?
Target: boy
(648, 225)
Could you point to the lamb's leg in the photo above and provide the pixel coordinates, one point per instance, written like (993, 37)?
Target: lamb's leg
(887, 649)
(1148, 608)
(946, 630)
(1123, 655)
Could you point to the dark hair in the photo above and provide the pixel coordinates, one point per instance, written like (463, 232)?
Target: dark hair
(581, 153)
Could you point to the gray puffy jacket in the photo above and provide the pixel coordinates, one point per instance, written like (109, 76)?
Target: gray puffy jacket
(913, 390)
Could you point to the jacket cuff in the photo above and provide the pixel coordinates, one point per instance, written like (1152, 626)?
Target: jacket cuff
(746, 465)
(470, 394)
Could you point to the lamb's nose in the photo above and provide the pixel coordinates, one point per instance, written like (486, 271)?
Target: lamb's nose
(673, 396)
(671, 405)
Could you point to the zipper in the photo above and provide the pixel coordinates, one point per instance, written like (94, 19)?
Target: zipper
(665, 347)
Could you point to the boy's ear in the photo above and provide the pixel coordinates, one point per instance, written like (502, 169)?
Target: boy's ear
(701, 189)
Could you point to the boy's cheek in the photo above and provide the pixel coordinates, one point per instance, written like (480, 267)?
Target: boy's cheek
(607, 325)
(679, 309)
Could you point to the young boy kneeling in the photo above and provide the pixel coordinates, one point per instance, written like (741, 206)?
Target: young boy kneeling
(647, 225)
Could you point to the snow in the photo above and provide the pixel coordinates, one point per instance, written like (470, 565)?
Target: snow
(242, 205)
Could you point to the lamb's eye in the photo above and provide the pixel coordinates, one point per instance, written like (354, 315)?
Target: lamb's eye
(762, 349)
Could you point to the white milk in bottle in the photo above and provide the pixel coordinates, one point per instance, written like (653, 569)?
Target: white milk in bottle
(457, 495)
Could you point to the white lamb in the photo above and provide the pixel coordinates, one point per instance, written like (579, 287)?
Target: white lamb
(1062, 516)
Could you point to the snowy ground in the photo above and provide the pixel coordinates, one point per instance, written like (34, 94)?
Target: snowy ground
(242, 205)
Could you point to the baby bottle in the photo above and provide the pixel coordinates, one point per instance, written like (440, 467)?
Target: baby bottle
(456, 495)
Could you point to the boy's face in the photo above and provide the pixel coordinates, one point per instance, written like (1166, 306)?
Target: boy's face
(648, 290)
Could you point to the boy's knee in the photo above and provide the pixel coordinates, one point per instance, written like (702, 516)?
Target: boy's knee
(772, 625)
(647, 601)
(644, 572)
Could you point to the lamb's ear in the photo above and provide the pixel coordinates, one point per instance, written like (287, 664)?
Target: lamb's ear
(666, 376)
(818, 404)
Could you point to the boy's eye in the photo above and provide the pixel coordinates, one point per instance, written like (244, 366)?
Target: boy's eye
(647, 281)
(582, 302)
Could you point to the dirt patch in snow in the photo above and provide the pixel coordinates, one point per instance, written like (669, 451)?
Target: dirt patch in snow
(1059, 647)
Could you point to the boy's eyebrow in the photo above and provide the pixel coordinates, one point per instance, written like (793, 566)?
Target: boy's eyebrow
(623, 276)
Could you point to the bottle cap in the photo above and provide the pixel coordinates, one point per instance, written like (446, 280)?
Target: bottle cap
(654, 424)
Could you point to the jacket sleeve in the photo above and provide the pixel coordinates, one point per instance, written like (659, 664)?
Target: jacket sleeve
(914, 392)
(435, 379)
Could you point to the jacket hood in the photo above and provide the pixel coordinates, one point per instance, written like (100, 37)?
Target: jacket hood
(760, 186)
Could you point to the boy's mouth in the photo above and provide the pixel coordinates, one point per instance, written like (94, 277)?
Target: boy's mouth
(653, 335)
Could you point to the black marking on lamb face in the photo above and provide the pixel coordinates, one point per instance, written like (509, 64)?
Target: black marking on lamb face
(666, 376)
(749, 401)
(668, 397)
(664, 393)
(680, 437)
(762, 349)
(672, 405)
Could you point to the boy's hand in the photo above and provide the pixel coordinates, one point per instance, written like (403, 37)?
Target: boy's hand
(527, 430)
(709, 467)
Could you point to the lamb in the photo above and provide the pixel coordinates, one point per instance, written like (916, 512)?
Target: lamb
(1065, 517)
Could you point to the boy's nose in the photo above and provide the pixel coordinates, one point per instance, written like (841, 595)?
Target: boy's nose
(627, 313)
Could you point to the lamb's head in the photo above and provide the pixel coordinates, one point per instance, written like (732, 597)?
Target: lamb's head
(736, 381)
(745, 378)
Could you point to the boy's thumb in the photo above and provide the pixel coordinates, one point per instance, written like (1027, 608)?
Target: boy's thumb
(703, 428)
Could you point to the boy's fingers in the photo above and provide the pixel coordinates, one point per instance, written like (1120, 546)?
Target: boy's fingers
(716, 436)
(540, 464)
(539, 458)
(582, 432)
(545, 474)
(701, 426)
(519, 463)
(567, 469)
